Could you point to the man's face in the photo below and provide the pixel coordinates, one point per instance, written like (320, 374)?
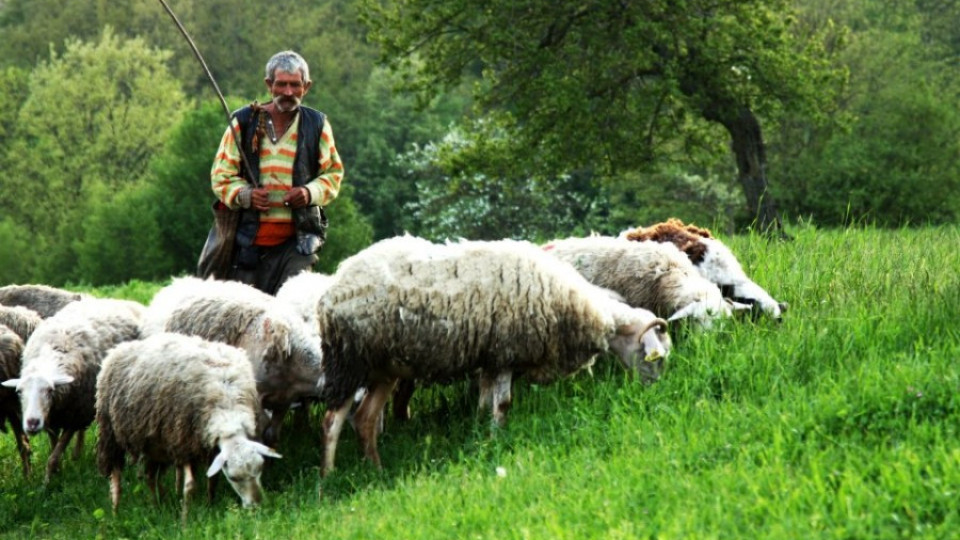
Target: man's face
(287, 90)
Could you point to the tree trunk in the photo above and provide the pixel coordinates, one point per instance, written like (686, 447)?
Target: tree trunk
(750, 154)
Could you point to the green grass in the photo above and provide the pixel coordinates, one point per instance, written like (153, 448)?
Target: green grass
(841, 422)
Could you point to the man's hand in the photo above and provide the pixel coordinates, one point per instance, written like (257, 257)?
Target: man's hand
(260, 199)
(297, 197)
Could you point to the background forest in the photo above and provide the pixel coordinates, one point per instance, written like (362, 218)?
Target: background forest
(525, 119)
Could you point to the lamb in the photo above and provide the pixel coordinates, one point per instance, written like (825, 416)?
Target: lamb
(61, 360)
(285, 354)
(648, 274)
(407, 309)
(713, 259)
(175, 399)
(43, 299)
(16, 325)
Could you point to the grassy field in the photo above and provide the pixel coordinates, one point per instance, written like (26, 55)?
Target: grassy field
(841, 422)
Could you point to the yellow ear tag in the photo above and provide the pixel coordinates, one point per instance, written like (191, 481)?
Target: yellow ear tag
(652, 357)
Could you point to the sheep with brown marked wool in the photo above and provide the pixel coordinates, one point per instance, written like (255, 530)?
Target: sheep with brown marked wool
(648, 274)
(180, 400)
(61, 360)
(16, 325)
(408, 309)
(285, 354)
(43, 299)
(713, 259)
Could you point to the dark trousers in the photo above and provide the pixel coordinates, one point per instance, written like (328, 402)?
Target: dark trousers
(274, 265)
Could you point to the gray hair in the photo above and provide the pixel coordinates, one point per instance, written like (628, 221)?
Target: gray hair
(289, 62)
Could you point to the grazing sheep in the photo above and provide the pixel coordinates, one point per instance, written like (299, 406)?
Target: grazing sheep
(43, 299)
(713, 259)
(407, 309)
(648, 274)
(175, 399)
(285, 354)
(61, 360)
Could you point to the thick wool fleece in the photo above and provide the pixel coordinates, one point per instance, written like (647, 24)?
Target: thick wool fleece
(408, 308)
(170, 398)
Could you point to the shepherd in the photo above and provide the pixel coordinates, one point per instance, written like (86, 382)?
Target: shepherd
(289, 171)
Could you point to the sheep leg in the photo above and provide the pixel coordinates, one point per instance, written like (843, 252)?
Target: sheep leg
(495, 393)
(152, 471)
(53, 463)
(367, 418)
(333, 422)
(271, 434)
(115, 488)
(188, 485)
(23, 447)
(78, 445)
(401, 399)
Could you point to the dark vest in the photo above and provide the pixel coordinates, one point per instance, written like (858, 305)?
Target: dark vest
(310, 221)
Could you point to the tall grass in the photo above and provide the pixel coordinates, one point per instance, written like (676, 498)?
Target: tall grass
(840, 422)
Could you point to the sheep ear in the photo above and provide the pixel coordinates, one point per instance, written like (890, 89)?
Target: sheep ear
(217, 464)
(783, 307)
(10, 383)
(265, 450)
(62, 379)
(684, 312)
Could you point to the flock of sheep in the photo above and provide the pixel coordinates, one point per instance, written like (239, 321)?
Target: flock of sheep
(204, 375)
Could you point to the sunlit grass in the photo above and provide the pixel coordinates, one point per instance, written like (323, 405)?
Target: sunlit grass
(840, 422)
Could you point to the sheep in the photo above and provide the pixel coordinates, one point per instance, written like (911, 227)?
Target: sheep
(648, 274)
(16, 325)
(61, 360)
(175, 399)
(43, 299)
(285, 354)
(713, 259)
(407, 309)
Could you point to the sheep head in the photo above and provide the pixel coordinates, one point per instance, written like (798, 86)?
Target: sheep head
(642, 347)
(241, 461)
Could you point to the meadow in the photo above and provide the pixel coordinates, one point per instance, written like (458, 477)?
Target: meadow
(840, 422)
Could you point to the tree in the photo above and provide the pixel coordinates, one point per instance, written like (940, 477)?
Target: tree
(894, 158)
(93, 118)
(610, 84)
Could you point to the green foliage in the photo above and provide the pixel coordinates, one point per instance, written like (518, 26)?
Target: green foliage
(895, 160)
(454, 200)
(390, 125)
(349, 231)
(121, 239)
(575, 99)
(840, 422)
(94, 117)
(17, 252)
(178, 186)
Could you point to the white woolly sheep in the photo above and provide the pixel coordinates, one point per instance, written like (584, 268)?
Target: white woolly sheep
(174, 399)
(43, 299)
(713, 259)
(648, 274)
(285, 354)
(61, 360)
(407, 309)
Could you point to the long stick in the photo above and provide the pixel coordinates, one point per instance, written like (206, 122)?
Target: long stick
(223, 102)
